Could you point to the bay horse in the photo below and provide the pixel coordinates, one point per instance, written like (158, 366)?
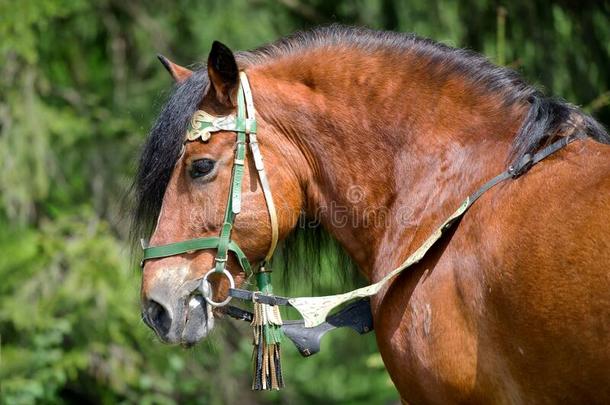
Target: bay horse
(513, 306)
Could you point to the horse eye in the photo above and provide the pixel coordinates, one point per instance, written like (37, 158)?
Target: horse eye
(201, 167)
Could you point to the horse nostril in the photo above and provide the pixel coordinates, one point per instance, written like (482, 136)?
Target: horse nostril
(159, 317)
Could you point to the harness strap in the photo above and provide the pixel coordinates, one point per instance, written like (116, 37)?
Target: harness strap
(314, 310)
(260, 168)
(247, 295)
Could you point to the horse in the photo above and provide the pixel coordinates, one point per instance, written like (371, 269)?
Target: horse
(511, 306)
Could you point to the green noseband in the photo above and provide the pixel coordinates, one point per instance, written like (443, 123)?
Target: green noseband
(192, 245)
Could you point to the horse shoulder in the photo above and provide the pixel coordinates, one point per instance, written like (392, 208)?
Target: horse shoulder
(541, 247)
(519, 290)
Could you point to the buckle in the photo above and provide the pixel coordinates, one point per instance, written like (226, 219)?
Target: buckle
(524, 164)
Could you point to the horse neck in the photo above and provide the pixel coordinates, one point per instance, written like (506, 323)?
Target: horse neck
(383, 154)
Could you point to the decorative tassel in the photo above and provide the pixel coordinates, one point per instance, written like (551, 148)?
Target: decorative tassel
(267, 329)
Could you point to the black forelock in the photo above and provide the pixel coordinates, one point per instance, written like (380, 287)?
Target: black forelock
(162, 149)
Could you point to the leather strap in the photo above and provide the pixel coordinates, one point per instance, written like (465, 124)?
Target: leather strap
(260, 168)
(247, 295)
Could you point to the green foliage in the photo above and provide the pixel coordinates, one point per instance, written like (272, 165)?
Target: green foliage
(79, 87)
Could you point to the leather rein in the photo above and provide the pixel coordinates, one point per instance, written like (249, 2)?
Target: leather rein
(314, 310)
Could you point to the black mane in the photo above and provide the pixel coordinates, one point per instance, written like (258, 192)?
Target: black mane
(544, 121)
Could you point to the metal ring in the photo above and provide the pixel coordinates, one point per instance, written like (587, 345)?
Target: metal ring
(231, 284)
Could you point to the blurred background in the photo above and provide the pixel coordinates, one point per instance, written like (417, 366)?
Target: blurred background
(79, 88)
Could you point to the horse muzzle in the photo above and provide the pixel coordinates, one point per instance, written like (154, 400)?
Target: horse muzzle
(176, 309)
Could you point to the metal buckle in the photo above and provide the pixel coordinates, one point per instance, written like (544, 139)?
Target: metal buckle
(524, 164)
(222, 260)
(254, 296)
(231, 284)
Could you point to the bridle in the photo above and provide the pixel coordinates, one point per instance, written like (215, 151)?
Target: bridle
(266, 321)
(243, 124)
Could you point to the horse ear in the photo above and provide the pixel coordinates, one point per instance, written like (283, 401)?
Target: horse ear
(223, 73)
(178, 72)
